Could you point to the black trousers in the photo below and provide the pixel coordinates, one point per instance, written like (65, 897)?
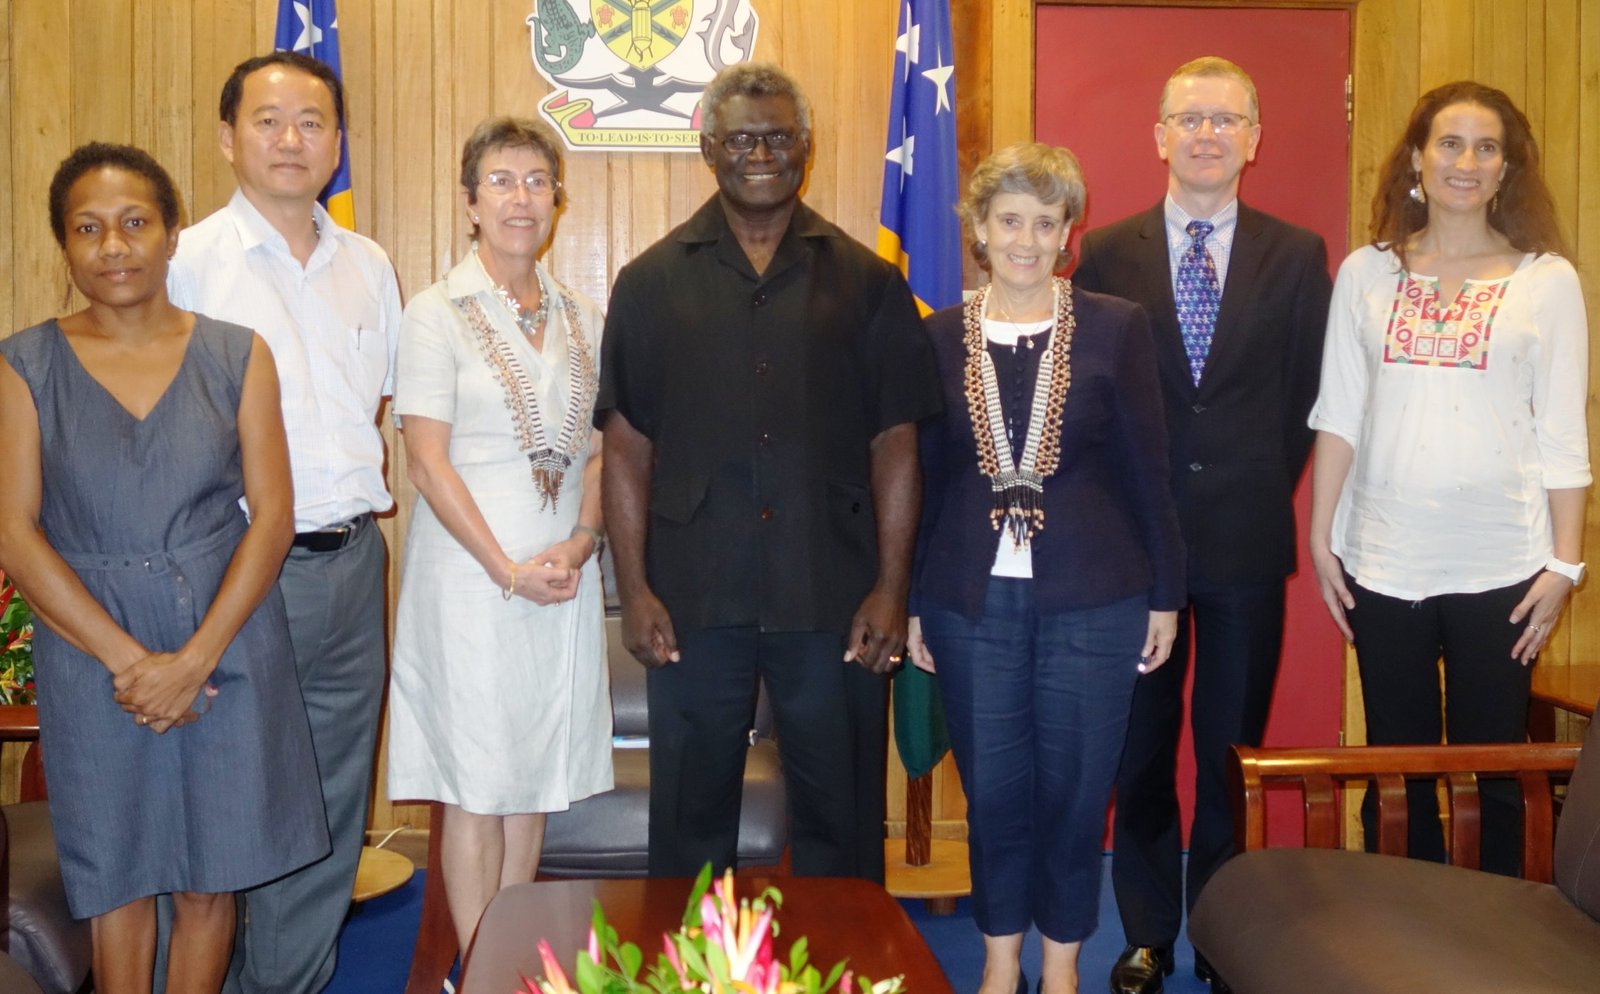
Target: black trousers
(1398, 645)
(1238, 638)
(832, 726)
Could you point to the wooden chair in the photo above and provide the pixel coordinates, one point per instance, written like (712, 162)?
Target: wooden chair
(1322, 919)
(40, 933)
(1322, 774)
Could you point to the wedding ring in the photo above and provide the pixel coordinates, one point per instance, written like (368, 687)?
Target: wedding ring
(141, 720)
(894, 659)
(1535, 629)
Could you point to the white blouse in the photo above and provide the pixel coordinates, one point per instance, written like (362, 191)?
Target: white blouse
(1461, 417)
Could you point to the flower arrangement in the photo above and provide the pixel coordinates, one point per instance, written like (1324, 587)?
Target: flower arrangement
(16, 646)
(723, 947)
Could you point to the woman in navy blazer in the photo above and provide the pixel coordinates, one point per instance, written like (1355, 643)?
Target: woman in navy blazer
(1049, 566)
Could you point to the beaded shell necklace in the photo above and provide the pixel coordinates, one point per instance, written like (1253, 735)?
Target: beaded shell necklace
(547, 462)
(1018, 486)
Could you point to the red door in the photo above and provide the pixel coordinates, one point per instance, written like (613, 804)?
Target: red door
(1098, 78)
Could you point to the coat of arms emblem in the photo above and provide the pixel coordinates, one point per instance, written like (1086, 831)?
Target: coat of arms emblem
(630, 76)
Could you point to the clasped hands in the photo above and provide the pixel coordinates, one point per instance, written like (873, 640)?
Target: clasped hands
(165, 690)
(551, 576)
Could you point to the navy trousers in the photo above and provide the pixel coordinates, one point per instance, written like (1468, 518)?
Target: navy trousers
(1238, 636)
(1037, 707)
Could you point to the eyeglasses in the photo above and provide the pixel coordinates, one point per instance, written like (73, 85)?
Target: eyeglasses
(743, 141)
(1222, 124)
(504, 181)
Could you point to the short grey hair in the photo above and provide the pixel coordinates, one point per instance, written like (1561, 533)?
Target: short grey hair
(752, 79)
(1048, 173)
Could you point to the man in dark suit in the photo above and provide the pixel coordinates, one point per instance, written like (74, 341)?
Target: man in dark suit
(1237, 301)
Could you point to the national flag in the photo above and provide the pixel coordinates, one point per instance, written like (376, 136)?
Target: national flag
(918, 231)
(311, 27)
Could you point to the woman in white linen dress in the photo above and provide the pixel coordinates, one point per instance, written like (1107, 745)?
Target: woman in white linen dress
(499, 704)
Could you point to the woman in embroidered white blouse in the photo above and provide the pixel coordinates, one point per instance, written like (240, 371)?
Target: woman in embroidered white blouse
(499, 705)
(1452, 454)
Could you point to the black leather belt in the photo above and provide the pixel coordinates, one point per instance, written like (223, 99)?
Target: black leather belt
(332, 538)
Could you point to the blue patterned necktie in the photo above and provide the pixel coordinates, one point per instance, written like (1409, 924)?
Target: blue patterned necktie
(1198, 297)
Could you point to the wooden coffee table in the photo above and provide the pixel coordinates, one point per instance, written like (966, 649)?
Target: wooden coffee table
(841, 918)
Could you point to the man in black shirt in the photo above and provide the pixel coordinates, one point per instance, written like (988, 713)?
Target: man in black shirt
(761, 378)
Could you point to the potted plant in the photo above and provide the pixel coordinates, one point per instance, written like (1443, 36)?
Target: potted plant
(723, 947)
(16, 646)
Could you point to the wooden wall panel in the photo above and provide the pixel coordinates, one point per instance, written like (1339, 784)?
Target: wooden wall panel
(1561, 103)
(102, 38)
(1385, 89)
(1444, 50)
(161, 44)
(41, 116)
(8, 144)
(221, 36)
(422, 73)
(1012, 47)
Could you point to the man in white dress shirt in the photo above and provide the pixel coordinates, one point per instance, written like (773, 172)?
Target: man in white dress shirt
(326, 300)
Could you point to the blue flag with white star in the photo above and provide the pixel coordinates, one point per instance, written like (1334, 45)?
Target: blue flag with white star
(311, 27)
(918, 231)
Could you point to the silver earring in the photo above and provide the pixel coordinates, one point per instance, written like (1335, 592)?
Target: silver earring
(983, 243)
(474, 219)
(1417, 193)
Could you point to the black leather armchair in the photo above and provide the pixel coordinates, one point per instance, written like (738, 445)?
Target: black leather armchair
(606, 835)
(41, 936)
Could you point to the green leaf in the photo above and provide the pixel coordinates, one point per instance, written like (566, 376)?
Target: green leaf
(717, 961)
(588, 976)
(629, 958)
(661, 977)
(797, 955)
(809, 980)
(834, 975)
(702, 883)
(692, 960)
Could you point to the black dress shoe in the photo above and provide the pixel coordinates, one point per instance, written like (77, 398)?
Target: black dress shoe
(1203, 970)
(1139, 970)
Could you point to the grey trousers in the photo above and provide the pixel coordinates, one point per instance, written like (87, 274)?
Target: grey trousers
(289, 928)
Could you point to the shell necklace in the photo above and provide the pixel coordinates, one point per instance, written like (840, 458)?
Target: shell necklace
(1018, 485)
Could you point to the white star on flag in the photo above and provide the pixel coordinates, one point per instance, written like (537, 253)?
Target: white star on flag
(909, 44)
(903, 157)
(939, 76)
(310, 34)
